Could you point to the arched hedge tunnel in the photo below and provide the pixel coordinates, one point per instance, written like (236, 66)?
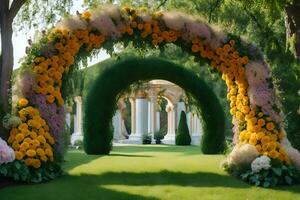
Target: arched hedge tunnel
(102, 97)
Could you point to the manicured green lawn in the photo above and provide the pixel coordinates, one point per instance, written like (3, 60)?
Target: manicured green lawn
(146, 173)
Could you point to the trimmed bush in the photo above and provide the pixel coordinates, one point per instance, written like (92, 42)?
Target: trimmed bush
(147, 138)
(102, 97)
(182, 133)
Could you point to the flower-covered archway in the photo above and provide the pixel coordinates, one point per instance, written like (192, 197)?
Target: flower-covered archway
(38, 103)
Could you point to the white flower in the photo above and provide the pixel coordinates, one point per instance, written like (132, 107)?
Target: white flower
(262, 162)
(7, 154)
(174, 20)
(244, 154)
(72, 23)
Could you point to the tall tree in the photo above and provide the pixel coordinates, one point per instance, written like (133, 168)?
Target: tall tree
(291, 14)
(8, 11)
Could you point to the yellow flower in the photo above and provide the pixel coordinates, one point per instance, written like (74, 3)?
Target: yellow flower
(19, 137)
(35, 143)
(23, 102)
(265, 139)
(260, 135)
(42, 139)
(31, 153)
(36, 163)
(15, 145)
(260, 114)
(258, 148)
(23, 126)
(29, 161)
(33, 135)
(24, 146)
(40, 152)
(86, 15)
(271, 146)
(273, 154)
(44, 158)
(19, 155)
(48, 152)
(253, 140)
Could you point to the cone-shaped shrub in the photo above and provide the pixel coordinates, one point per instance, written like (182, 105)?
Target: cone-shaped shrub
(182, 134)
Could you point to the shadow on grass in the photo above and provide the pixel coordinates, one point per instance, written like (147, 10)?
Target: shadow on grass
(185, 150)
(199, 179)
(130, 155)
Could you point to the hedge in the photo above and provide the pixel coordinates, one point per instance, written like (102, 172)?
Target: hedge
(102, 97)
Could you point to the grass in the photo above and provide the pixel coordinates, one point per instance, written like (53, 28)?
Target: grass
(146, 173)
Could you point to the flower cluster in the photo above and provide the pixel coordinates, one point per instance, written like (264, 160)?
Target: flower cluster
(7, 154)
(31, 140)
(262, 162)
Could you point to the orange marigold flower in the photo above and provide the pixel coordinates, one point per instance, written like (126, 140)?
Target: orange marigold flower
(140, 26)
(270, 126)
(23, 102)
(261, 122)
(50, 98)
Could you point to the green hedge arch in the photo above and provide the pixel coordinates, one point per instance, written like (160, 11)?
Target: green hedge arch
(102, 97)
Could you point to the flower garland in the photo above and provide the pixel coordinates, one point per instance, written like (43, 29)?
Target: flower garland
(258, 124)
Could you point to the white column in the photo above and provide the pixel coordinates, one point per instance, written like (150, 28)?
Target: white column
(189, 121)
(141, 120)
(170, 136)
(196, 132)
(157, 121)
(152, 116)
(133, 115)
(117, 124)
(77, 135)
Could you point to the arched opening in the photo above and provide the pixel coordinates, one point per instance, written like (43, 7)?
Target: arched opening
(102, 98)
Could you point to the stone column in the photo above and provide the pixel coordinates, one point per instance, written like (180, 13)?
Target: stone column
(77, 135)
(133, 116)
(170, 136)
(141, 120)
(195, 134)
(157, 121)
(117, 124)
(152, 116)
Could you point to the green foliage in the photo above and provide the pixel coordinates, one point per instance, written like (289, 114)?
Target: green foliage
(146, 138)
(182, 133)
(276, 175)
(158, 136)
(18, 171)
(78, 144)
(101, 101)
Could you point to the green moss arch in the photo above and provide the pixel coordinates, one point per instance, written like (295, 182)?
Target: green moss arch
(102, 96)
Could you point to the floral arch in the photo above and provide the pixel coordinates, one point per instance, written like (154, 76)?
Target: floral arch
(258, 124)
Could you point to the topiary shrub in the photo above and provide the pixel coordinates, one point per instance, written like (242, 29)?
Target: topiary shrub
(158, 136)
(146, 138)
(183, 134)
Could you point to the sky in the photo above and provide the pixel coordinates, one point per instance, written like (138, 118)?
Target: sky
(20, 41)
